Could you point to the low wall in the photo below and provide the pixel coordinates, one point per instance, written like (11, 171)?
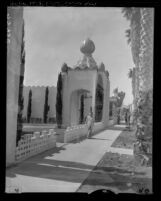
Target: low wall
(111, 122)
(98, 126)
(75, 132)
(32, 144)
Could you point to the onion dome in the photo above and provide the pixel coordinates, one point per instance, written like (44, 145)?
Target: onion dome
(101, 67)
(64, 67)
(87, 47)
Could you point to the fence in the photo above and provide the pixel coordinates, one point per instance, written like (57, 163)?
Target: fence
(32, 144)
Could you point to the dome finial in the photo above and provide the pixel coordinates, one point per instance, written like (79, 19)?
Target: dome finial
(87, 47)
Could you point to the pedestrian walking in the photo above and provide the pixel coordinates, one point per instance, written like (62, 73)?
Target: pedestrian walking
(89, 122)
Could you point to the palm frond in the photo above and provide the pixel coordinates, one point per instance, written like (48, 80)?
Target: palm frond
(128, 35)
(127, 12)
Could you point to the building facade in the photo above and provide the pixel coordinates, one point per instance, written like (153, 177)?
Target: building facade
(90, 81)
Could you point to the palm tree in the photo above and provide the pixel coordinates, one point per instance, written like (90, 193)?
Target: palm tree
(128, 35)
(141, 24)
(127, 12)
(146, 54)
(133, 34)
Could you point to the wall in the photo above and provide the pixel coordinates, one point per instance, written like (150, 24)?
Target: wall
(38, 100)
(30, 145)
(73, 81)
(87, 104)
(74, 105)
(13, 72)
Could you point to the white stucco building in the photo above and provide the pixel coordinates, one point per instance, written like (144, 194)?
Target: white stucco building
(90, 81)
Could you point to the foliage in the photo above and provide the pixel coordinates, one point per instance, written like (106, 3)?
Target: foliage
(143, 117)
(128, 35)
(115, 91)
(133, 14)
(127, 12)
(82, 109)
(59, 101)
(99, 103)
(64, 67)
(29, 110)
(46, 106)
(120, 98)
(130, 73)
(20, 97)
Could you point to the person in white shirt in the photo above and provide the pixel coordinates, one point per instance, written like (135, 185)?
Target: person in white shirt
(89, 122)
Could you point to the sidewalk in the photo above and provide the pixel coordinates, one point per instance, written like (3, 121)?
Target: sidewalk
(62, 169)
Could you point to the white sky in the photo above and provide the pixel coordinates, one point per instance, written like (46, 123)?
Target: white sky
(53, 35)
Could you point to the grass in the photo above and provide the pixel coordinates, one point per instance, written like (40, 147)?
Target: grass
(120, 174)
(125, 139)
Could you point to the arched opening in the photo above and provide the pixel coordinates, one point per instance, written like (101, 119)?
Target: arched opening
(78, 106)
(99, 100)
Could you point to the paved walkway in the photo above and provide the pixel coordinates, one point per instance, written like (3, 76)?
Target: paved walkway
(64, 168)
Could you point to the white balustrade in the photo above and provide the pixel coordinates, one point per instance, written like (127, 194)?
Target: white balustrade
(30, 145)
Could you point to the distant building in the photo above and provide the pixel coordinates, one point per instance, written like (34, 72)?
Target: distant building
(38, 101)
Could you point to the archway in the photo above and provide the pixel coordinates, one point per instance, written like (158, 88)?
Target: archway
(99, 99)
(78, 105)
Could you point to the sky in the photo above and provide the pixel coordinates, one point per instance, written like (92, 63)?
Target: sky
(53, 35)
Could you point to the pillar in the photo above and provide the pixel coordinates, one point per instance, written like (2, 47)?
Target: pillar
(13, 73)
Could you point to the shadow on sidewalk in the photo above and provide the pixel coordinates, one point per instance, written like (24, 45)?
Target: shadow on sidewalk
(39, 166)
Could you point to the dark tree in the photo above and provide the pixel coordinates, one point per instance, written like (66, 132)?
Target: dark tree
(46, 106)
(99, 103)
(59, 101)
(29, 106)
(120, 98)
(82, 109)
(20, 97)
